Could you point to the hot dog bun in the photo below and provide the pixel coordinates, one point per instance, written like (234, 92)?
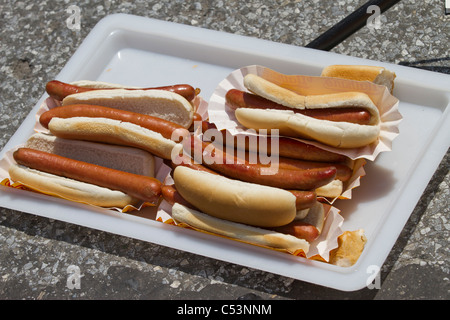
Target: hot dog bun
(238, 231)
(273, 92)
(128, 159)
(377, 75)
(158, 103)
(336, 134)
(234, 200)
(69, 189)
(112, 131)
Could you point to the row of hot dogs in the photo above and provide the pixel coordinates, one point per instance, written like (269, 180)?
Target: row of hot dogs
(102, 142)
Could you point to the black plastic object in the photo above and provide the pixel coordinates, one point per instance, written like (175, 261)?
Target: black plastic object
(349, 25)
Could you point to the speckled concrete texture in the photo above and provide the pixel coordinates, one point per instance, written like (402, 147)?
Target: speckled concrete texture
(37, 253)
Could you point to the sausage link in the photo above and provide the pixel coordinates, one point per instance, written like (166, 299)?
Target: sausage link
(287, 147)
(240, 99)
(59, 90)
(343, 172)
(232, 167)
(141, 187)
(172, 196)
(295, 149)
(304, 199)
(300, 230)
(164, 127)
(184, 160)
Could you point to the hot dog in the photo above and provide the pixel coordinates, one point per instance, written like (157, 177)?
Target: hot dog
(164, 127)
(235, 208)
(332, 133)
(304, 199)
(118, 158)
(109, 125)
(235, 200)
(230, 166)
(298, 228)
(287, 147)
(137, 186)
(239, 231)
(128, 159)
(343, 172)
(239, 99)
(292, 150)
(172, 196)
(184, 160)
(162, 104)
(60, 90)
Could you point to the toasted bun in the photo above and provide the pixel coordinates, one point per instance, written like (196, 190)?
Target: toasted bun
(235, 200)
(377, 75)
(158, 103)
(68, 188)
(336, 134)
(237, 231)
(128, 159)
(113, 132)
(273, 92)
(350, 246)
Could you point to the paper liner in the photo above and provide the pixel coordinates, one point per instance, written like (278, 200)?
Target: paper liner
(319, 249)
(352, 183)
(387, 105)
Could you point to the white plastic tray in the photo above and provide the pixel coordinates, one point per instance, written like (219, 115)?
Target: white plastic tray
(143, 52)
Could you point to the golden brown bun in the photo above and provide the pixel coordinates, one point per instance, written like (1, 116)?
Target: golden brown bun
(158, 103)
(350, 246)
(68, 188)
(377, 75)
(112, 131)
(234, 200)
(128, 159)
(237, 231)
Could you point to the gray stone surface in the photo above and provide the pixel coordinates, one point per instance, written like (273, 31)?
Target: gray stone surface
(36, 252)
